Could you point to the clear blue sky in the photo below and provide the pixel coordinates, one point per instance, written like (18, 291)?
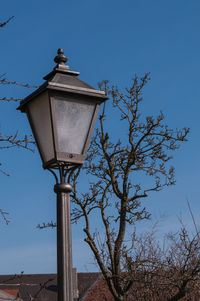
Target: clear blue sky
(107, 39)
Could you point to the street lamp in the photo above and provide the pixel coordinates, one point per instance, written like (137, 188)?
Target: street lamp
(62, 113)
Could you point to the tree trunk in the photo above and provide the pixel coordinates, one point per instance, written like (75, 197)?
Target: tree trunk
(121, 298)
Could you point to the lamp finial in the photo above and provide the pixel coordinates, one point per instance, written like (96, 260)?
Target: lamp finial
(60, 59)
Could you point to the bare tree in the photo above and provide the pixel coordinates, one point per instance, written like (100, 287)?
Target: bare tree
(4, 23)
(168, 271)
(122, 173)
(8, 141)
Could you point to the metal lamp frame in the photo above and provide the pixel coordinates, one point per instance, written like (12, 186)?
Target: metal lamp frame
(59, 157)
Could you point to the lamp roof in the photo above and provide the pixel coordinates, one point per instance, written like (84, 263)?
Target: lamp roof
(66, 80)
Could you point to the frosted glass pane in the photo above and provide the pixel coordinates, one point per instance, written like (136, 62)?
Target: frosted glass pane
(40, 115)
(73, 121)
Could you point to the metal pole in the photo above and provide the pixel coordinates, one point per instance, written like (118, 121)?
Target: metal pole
(64, 243)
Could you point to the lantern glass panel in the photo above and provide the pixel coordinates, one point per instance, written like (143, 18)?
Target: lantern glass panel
(39, 112)
(73, 119)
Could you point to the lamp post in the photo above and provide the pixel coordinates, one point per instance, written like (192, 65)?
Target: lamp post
(62, 113)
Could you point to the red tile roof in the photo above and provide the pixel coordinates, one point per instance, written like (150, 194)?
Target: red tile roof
(13, 292)
(98, 291)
